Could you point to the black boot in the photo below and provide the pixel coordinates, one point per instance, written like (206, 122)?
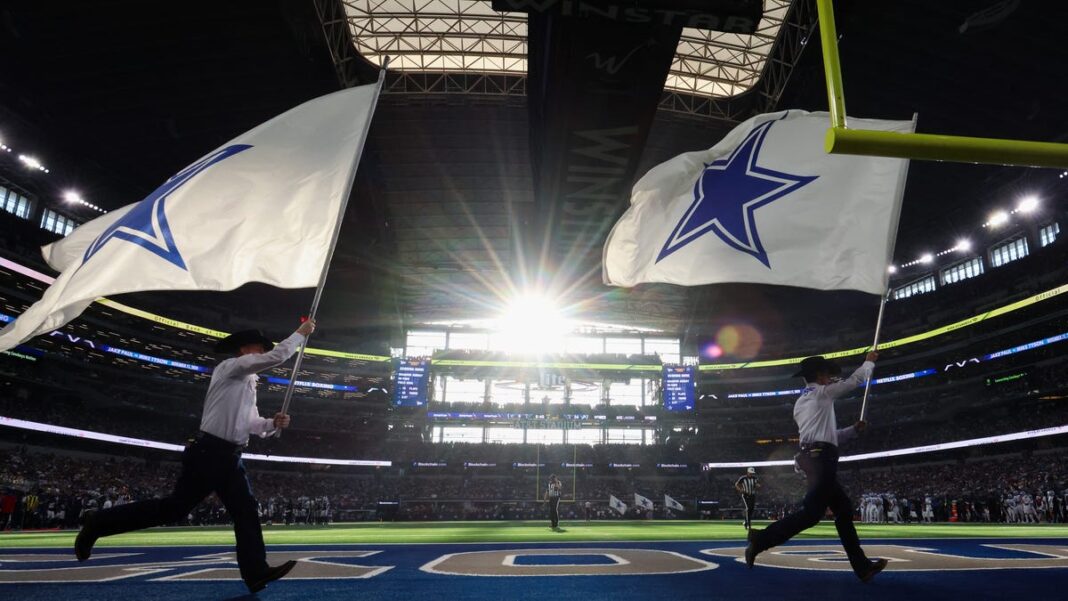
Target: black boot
(876, 567)
(83, 544)
(270, 575)
(751, 551)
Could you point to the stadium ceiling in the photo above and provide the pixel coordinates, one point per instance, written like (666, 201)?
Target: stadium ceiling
(115, 99)
(465, 46)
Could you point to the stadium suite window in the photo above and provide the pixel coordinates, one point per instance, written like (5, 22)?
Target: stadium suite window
(423, 343)
(586, 393)
(920, 286)
(468, 341)
(625, 394)
(1048, 234)
(15, 203)
(545, 436)
(584, 345)
(625, 436)
(504, 435)
(962, 271)
(1009, 251)
(554, 395)
(463, 391)
(56, 223)
(508, 392)
(667, 348)
(589, 436)
(459, 434)
(623, 346)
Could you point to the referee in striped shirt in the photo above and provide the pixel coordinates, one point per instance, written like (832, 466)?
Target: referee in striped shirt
(552, 496)
(747, 485)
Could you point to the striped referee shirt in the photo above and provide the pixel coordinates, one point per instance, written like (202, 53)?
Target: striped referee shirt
(554, 490)
(748, 484)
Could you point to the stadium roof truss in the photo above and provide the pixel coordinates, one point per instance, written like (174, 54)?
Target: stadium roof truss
(464, 46)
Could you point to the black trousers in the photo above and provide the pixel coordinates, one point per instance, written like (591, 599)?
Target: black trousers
(554, 511)
(208, 465)
(750, 505)
(824, 492)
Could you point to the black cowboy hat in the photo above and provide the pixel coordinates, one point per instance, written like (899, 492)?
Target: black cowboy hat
(233, 343)
(810, 366)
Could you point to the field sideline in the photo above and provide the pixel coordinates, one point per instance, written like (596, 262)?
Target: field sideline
(518, 532)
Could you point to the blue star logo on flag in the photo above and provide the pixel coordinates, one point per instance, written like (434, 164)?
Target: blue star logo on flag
(727, 195)
(146, 223)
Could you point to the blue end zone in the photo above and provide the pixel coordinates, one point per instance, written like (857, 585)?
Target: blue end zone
(409, 574)
(564, 560)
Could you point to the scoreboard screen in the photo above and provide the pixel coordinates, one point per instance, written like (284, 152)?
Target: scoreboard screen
(411, 380)
(678, 387)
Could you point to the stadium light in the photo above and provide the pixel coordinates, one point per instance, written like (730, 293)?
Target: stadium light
(532, 324)
(32, 162)
(998, 218)
(1027, 204)
(892, 269)
(72, 196)
(963, 245)
(927, 258)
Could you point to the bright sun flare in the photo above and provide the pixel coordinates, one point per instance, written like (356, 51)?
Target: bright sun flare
(532, 324)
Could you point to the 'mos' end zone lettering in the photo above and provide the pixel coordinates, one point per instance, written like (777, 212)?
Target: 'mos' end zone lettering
(311, 565)
(904, 558)
(620, 562)
(162, 565)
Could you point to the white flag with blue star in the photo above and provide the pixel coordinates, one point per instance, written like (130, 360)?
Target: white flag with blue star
(616, 504)
(766, 205)
(261, 208)
(671, 503)
(643, 502)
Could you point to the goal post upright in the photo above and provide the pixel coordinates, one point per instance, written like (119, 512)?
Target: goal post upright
(922, 146)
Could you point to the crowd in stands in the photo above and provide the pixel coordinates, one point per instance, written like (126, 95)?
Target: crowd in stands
(43, 489)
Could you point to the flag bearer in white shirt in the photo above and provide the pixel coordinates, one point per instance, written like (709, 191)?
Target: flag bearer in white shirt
(212, 459)
(819, 434)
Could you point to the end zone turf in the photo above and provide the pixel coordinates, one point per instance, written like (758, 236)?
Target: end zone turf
(490, 561)
(507, 532)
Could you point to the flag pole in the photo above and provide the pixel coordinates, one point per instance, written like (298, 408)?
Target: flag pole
(333, 242)
(902, 178)
(874, 347)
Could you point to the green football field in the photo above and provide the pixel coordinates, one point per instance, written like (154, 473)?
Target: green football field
(518, 532)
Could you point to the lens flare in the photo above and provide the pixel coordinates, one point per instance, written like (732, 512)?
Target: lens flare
(740, 340)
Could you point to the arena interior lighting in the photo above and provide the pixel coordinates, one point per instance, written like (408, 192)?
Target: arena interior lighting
(532, 324)
(32, 162)
(72, 197)
(933, 448)
(1027, 204)
(927, 258)
(166, 446)
(997, 219)
(963, 245)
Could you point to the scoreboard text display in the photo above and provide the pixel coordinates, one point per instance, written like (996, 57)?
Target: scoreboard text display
(678, 387)
(410, 383)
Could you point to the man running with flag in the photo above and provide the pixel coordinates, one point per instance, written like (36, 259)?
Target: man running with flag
(212, 460)
(819, 435)
(747, 485)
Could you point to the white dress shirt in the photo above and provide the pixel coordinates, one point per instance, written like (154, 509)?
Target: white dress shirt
(230, 409)
(814, 410)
